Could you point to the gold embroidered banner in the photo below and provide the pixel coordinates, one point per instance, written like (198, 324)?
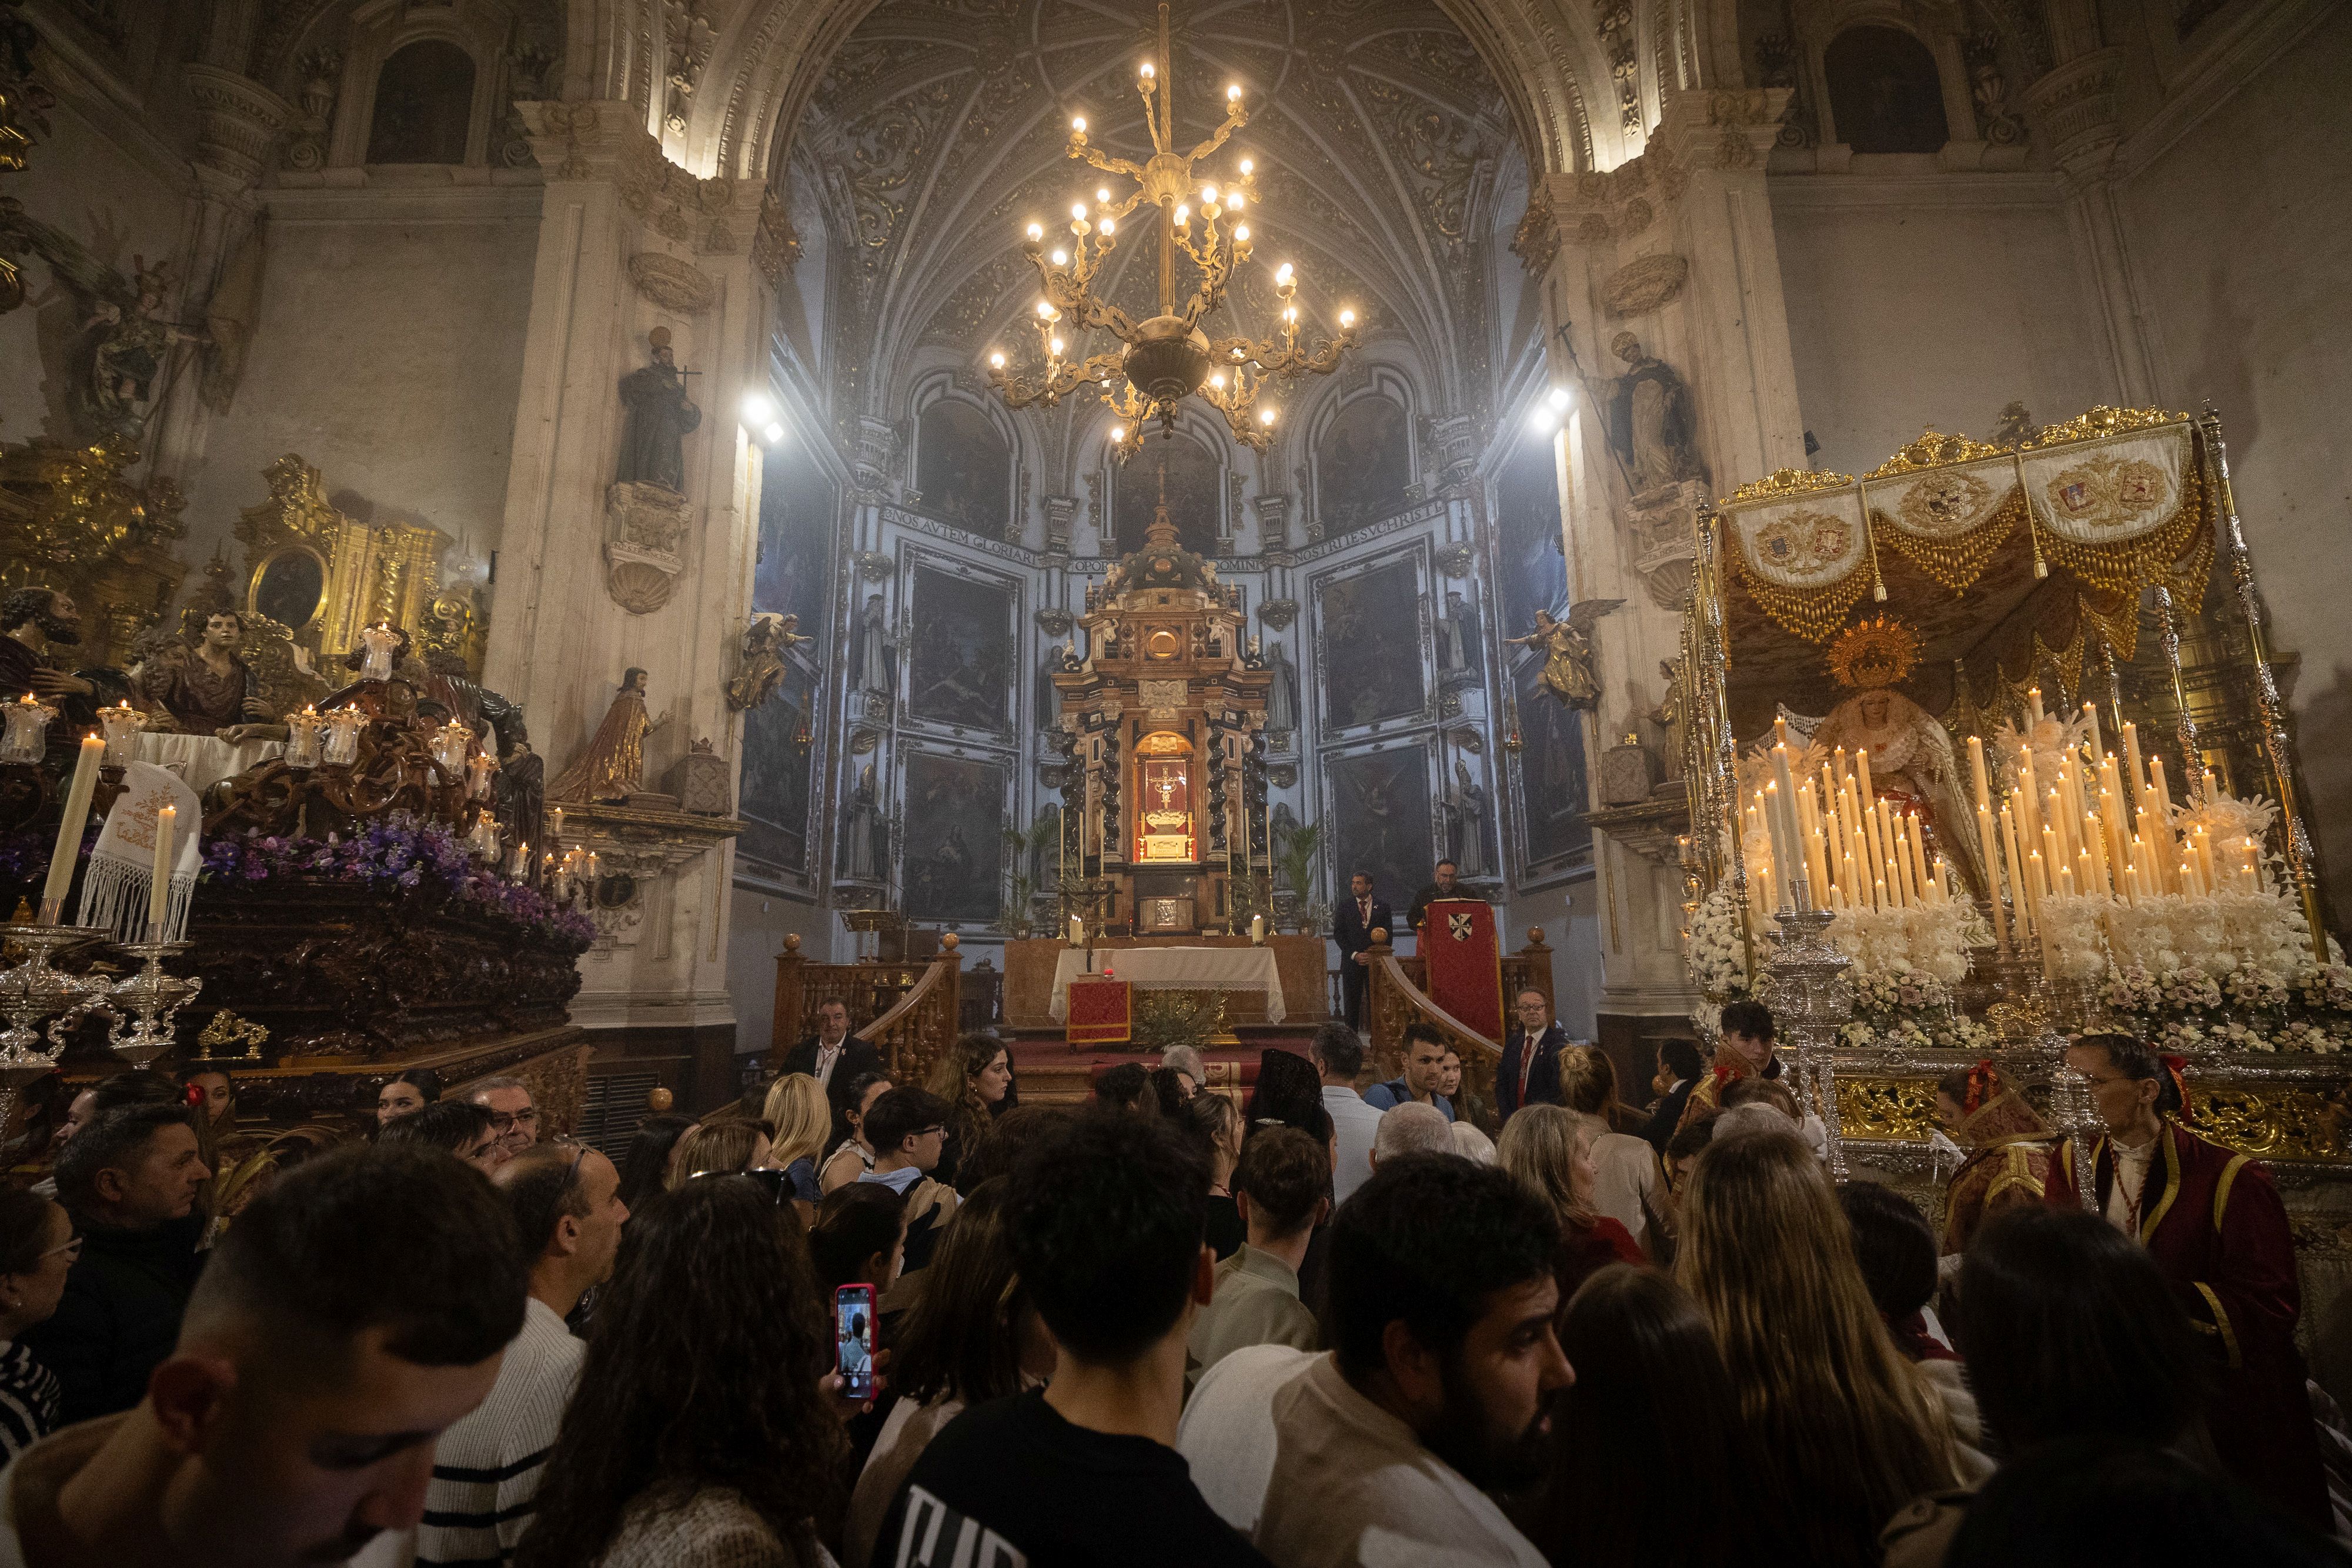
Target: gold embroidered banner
(1948, 520)
(1800, 542)
(2117, 511)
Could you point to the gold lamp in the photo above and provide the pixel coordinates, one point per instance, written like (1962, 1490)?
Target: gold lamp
(1167, 358)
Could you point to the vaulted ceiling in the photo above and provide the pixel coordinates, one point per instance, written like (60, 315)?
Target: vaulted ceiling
(940, 130)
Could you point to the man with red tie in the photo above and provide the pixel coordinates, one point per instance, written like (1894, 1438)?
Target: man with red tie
(2213, 1222)
(1352, 925)
(1529, 1071)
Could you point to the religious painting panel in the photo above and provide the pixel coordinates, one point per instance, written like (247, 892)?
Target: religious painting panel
(963, 650)
(963, 468)
(1369, 646)
(1531, 560)
(773, 797)
(954, 814)
(1378, 802)
(1195, 488)
(1362, 464)
(799, 519)
(1553, 791)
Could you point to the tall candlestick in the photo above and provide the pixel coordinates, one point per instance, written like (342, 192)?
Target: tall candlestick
(2091, 735)
(2097, 834)
(2041, 926)
(1862, 792)
(1777, 829)
(1816, 846)
(1992, 876)
(1977, 771)
(2029, 797)
(68, 852)
(2205, 861)
(2052, 858)
(2131, 760)
(2163, 796)
(159, 891)
(1919, 852)
(2033, 702)
(2021, 900)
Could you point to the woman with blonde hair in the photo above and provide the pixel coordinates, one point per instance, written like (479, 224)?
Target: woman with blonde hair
(725, 1147)
(1625, 1168)
(974, 1078)
(1549, 1149)
(799, 1120)
(1843, 1421)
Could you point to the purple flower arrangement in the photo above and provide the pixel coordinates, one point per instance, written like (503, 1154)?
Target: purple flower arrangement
(397, 853)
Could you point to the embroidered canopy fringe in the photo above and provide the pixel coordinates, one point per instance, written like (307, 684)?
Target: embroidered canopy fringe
(114, 896)
(1955, 559)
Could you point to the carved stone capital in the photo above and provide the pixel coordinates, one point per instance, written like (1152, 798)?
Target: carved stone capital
(878, 447)
(645, 528)
(237, 121)
(1272, 521)
(775, 244)
(1278, 614)
(1643, 286)
(672, 284)
(2076, 105)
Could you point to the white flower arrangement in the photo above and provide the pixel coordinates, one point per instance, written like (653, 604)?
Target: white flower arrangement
(1932, 938)
(1715, 950)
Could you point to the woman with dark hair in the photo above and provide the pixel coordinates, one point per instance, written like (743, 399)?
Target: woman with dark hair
(972, 1078)
(406, 1093)
(1896, 1251)
(37, 1246)
(645, 1475)
(970, 1336)
(1651, 1462)
(1010, 1137)
(859, 1237)
(854, 1156)
(645, 1167)
(1844, 1424)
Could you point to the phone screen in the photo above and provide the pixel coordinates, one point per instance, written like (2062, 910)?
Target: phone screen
(853, 1339)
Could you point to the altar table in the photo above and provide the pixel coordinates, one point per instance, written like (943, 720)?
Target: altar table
(1175, 969)
(203, 760)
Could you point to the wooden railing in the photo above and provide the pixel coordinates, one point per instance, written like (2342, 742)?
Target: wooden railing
(1397, 1000)
(906, 1008)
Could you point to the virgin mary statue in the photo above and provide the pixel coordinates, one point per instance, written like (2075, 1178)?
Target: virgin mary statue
(1912, 765)
(613, 765)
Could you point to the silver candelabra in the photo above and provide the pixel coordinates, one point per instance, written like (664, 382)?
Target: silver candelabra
(1810, 998)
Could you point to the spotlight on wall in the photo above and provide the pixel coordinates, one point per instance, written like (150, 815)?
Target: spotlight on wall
(774, 432)
(1543, 419)
(757, 410)
(1559, 399)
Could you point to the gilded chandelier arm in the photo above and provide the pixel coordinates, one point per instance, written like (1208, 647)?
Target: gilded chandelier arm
(1236, 116)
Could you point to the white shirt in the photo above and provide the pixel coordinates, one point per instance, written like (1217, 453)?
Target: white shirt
(1625, 1173)
(827, 1055)
(1320, 1477)
(1356, 1124)
(2130, 1183)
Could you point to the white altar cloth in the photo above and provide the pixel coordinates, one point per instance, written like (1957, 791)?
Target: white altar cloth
(203, 760)
(1175, 969)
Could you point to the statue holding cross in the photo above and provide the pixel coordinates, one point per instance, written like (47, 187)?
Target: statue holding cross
(660, 417)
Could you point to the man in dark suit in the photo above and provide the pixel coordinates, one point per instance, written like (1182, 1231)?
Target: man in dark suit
(831, 1057)
(1442, 888)
(1680, 1067)
(1352, 926)
(1529, 1071)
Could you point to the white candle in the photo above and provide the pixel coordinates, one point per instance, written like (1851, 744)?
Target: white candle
(1977, 771)
(2033, 701)
(2131, 760)
(159, 893)
(68, 852)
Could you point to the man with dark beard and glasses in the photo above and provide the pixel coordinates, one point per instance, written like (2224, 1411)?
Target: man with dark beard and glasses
(1438, 1388)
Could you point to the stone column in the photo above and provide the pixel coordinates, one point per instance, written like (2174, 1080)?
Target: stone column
(1676, 248)
(627, 242)
(2075, 105)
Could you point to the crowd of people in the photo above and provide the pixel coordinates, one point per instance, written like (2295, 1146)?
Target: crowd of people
(1331, 1325)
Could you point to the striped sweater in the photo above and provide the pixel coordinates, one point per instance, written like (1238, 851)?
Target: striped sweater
(28, 1400)
(486, 1468)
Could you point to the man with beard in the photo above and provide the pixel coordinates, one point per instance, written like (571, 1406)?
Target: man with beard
(35, 623)
(1437, 1389)
(209, 690)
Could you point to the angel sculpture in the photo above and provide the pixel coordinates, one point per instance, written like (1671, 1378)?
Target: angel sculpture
(766, 641)
(127, 339)
(1567, 668)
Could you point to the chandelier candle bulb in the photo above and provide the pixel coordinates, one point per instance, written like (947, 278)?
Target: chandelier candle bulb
(68, 852)
(159, 888)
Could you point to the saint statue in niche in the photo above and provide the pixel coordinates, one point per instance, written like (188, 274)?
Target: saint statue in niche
(1651, 427)
(1282, 692)
(613, 765)
(1466, 802)
(874, 647)
(1457, 636)
(660, 418)
(861, 854)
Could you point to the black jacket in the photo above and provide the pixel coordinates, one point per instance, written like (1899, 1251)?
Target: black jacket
(1349, 930)
(1668, 1116)
(856, 1057)
(1543, 1076)
(119, 1315)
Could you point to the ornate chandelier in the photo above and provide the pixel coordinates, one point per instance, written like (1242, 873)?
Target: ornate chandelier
(1165, 358)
